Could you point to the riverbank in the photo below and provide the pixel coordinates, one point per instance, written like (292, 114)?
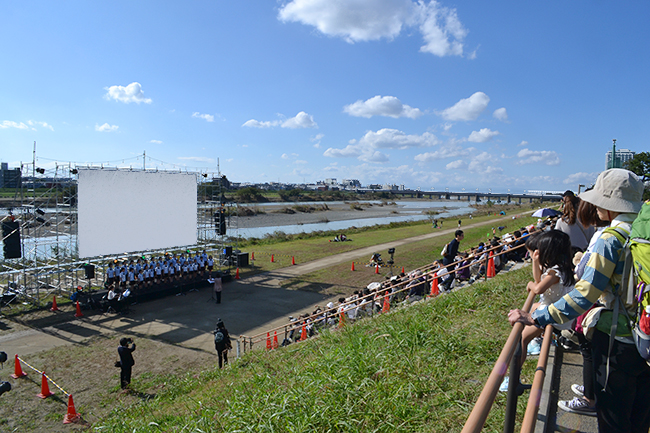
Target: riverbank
(284, 215)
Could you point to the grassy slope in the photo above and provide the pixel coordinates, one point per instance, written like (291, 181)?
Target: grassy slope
(416, 369)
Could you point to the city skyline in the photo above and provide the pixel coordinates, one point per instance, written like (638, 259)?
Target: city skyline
(424, 94)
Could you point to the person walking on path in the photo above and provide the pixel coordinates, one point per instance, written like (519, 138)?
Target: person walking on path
(126, 361)
(222, 342)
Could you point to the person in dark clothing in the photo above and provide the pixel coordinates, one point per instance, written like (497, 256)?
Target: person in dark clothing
(222, 342)
(126, 361)
(450, 257)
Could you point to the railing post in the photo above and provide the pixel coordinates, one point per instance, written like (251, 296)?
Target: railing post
(513, 391)
(238, 349)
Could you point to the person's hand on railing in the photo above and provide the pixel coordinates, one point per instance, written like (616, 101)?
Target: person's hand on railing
(520, 316)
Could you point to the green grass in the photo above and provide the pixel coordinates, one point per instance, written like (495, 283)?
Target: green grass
(416, 369)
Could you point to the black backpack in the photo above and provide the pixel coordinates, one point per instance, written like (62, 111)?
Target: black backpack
(219, 338)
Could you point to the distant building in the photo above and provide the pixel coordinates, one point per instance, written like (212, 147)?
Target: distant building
(9, 177)
(351, 183)
(617, 158)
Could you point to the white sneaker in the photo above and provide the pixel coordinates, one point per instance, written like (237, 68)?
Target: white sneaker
(578, 389)
(534, 348)
(504, 384)
(577, 405)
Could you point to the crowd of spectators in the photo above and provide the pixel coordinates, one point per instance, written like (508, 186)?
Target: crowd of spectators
(463, 268)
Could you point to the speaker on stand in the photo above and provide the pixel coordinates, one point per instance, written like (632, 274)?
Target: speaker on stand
(11, 239)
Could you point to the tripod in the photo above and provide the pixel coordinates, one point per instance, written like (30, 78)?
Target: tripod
(212, 298)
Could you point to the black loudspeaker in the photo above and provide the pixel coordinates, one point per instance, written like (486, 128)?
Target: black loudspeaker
(220, 221)
(242, 260)
(227, 251)
(90, 271)
(11, 236)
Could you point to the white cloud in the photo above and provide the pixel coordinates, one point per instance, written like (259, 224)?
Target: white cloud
(451, 150)
(523, 143)
(289, 156)
(155, 141)
(442, 31)
(395, 139)
(455, 165)
(206, 117)
(357, 151)
(500, 114)
(196, 158)
(581, 178)
(316, 140)
(131, 93)
(365, 149)
(257, 124)
(353, 20)
(478, 163)
(467, 109)
(11, 124)
(302, 120)
(378, 105)
(370, 20)
(43, 124)
(300, 161)
(482, 136)
(546, 157)
(106, 127)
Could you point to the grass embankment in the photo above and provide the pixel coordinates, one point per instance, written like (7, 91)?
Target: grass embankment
(416, 369)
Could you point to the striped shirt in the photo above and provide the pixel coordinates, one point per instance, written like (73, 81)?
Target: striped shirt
(602, 274)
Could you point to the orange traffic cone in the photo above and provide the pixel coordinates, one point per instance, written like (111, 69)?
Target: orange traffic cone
(253, 255)
(272, 258)
(352, 267)
(54, 307)
(402, 269)
(268, 341)
(293, 260)
(386, 307)
(491, 272)
(18, 370)
(434, 287)
(376, 269)
(78, 313)
(275, 340)
(237, 274)
(72, 415)
(45, 388)
(303, 334)
(342, 319)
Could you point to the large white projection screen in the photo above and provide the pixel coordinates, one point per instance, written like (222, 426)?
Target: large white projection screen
(126, 211)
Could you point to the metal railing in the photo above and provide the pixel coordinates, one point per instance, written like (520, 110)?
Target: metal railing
(428, 271)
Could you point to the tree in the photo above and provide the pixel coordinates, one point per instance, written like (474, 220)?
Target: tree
(640, 165)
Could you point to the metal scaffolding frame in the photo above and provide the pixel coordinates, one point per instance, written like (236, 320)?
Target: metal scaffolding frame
(45, 205)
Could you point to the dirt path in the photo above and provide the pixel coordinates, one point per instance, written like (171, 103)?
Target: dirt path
(249, 307)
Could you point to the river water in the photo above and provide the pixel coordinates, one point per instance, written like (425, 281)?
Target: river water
(44, 247)
(413, 210)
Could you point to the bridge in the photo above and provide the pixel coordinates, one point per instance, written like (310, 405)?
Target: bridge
(494, 197)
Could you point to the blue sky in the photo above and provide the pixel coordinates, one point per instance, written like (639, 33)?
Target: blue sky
(506, 95)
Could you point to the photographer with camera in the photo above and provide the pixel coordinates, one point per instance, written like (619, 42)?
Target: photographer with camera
(126, 361)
